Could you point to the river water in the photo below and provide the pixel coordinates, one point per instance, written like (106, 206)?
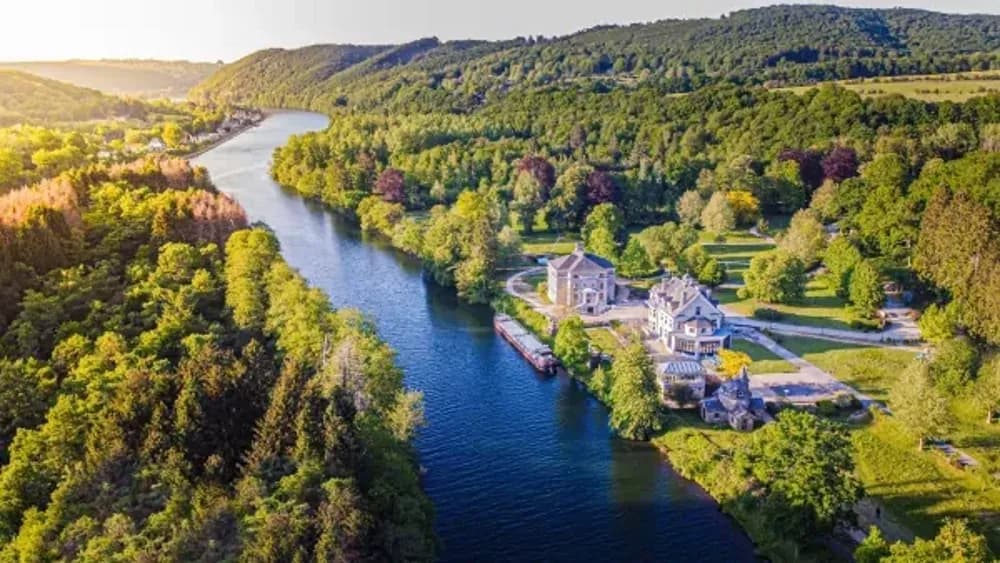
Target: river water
(520, 467)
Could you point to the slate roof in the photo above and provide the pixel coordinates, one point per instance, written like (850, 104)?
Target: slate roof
(581, 262)
(676, 292)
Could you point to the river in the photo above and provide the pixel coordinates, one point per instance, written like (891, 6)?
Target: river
(520, 467)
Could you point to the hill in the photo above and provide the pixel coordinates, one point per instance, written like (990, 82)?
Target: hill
(142, 78)
(26, 98)
(778, 45)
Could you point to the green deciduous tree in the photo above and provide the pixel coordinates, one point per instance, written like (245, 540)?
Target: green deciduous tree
(865, 288)
(805, 238)
(689, 207)
(635, 410)
(718, 216)
(953, 364)
(774, 277)
(955, 542)
(806, 467)
(572, 346)
(917, 403)
(634, 262)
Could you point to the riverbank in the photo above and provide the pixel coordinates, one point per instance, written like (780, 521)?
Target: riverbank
(265, 113)
(530, 456)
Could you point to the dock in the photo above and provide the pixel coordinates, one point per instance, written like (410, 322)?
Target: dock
(538, 354)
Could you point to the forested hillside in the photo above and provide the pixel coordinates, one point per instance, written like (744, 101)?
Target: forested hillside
(26, 98)
(171, 390)
(142, 78)
(775, 45)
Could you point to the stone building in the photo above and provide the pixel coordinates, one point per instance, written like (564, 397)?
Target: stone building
(734, 404)
(581, 281)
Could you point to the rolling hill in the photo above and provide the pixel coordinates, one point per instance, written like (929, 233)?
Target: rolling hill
(779, 45)
(26, 98)
(142, 78)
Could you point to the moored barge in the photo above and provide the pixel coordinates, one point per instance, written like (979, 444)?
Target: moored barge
(537, 353)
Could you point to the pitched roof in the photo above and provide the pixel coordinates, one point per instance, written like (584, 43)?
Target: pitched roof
(677, 292)
(580, 261)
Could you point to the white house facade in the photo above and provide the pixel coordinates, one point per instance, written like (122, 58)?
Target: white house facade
(684, 317)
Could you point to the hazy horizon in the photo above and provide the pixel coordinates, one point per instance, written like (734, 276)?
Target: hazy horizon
(57, 30)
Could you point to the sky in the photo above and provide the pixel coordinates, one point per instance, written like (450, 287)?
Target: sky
(209, 30)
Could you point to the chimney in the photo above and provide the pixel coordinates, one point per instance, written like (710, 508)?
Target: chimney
(579, 248)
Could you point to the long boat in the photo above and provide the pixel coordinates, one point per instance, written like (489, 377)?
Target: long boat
(537, 353)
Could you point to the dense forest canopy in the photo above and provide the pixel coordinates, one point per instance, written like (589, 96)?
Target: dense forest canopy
(141, 78)
(775, 45)
(171, 390)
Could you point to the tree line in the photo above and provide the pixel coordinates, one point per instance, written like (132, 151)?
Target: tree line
(171, 389)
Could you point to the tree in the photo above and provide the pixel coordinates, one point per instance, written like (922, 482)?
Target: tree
(689, 207)
(391, 186)
(917, 404)
(745, 207)
(173, 135)
(840, 164)
(955, 542)
(635, 401)
(568, 201)
(987, 389)
(938, 322)
(732, 362)
(953, 364)
(774, 277)
(718, 216)
(866, 288)
(665, 243)
(805, 237)
(873, 549)
(953, 140)
(840, 259)
(11, 168)
(805, 465)
(602, 188)
(810, 165)
(572, 346)
(602, 243)
(712, 274)
(605, 216)
(529, 198)
(634, 262)
(541, 170)
(824, 202)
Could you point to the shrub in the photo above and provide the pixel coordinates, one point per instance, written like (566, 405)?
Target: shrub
(767, 314)
(867, 325)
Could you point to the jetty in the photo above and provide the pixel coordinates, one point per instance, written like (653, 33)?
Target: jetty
(538, 354)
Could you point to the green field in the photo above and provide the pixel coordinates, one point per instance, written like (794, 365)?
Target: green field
(821, 307)
(871, 370)
(932, 88)
(549, 243)
(764, 361)
(736, 254)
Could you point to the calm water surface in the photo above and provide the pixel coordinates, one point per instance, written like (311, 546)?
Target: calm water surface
(520, 467)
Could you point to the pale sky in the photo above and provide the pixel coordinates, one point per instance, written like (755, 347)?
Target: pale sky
(228, 29)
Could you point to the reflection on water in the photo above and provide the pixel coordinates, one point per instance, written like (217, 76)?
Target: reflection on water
(521, 467)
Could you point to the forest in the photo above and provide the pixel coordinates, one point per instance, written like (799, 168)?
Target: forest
(170, 389)
(777, 45)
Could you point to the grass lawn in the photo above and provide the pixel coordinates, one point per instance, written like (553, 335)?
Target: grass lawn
(549, 243)
(820, 307)
(871, 370)
(956, 87)
(920, 489)
(604, 340)
(764, 361)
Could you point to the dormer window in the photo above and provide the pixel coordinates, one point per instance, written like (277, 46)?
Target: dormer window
(697, 311)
